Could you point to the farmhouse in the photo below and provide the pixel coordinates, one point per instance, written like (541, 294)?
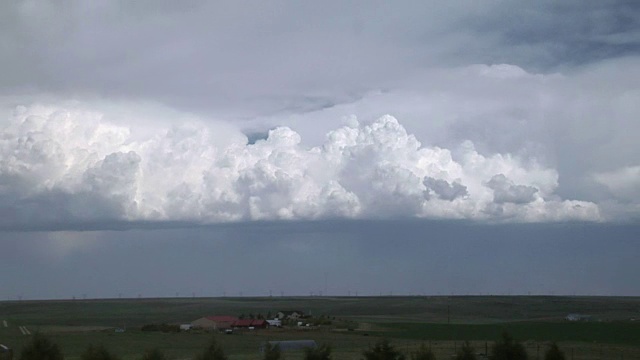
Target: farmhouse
(290, 315)
(218, 322)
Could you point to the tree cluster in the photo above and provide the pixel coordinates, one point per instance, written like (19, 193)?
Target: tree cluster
(41, 347)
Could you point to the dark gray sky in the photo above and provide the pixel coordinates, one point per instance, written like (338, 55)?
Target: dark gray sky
(141, 143)
(368, 257)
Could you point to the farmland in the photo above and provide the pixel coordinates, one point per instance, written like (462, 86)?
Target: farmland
(442, 322)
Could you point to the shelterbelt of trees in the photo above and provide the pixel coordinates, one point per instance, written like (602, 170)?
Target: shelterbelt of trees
(41, 347)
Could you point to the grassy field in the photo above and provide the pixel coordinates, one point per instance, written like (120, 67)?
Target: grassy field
(441, 322)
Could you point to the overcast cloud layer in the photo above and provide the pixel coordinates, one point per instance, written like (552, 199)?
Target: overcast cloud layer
(117, 113)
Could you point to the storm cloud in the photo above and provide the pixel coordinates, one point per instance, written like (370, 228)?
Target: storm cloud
(200, 119)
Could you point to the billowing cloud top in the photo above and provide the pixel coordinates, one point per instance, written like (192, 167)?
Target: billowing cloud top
(69, 165)
(501, 111)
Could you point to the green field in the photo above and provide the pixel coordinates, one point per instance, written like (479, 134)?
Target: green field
(441, 322)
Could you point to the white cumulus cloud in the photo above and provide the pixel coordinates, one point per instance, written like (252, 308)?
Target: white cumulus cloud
(68, 165)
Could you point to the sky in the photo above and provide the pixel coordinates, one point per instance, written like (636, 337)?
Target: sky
(198, 148)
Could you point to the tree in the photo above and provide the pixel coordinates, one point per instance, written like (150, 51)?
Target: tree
(212, 352)
(271, 352)
(466, 352)
(41, 348)
(554, 353)
(423, 353)
(154, 354)
(383, 350)
(322, 352)
(98, 352)
(507, 349)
